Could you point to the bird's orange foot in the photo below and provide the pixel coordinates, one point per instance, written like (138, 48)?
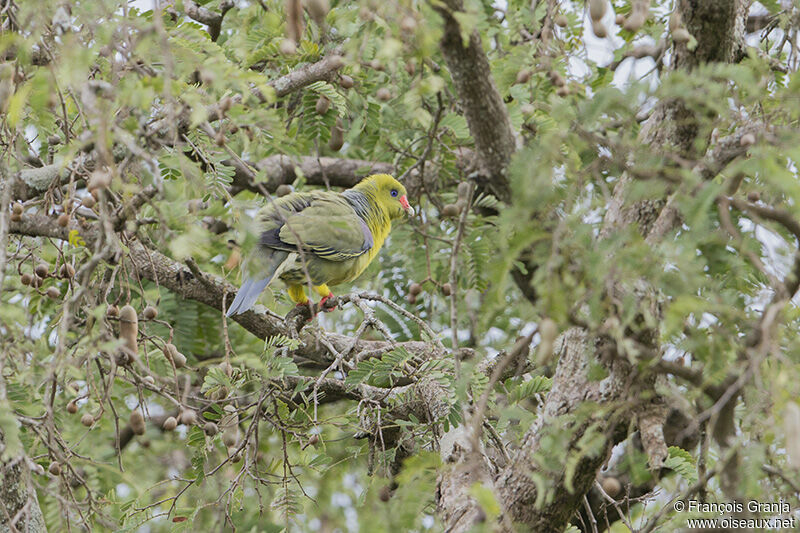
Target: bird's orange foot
(330, 307)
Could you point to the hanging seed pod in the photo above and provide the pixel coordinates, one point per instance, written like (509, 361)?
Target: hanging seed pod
(230, 436)
(447, 289)
(681, 36)
(384, 94)
(54, 468)
(99, 180)
(169, 424)
(523, 76)
(112, 311)
(619, 20)
(597, 8)
(288, 48)
(26, 279)
(323, 104)
(188, 417)
(67, 270)
(415, 289)
(210, 429)
(748, 139)
(136, 422)
(129, 329)
(72, 407)
(408, 24)
(638, 16)
(283, 190)
(87, 420)
(599, 29)
(337, 136)
(17, 208)
(63, 220)
(150, 312)
(16, 217)
(42, 270)
(562, 91)
(346, 82)
(53, 293)
(562, 21)
(450, 211)
(150, 380)
(318, 9)
(611, 486)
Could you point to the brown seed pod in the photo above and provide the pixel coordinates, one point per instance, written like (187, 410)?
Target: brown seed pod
(188, 417)
(219, 139)
(463, 190)
(527, 110)
(346, 82)
(210, 429)
(556, 78)
(562, 91)
(611, 486)
(635, 21)
(67, 270)
(377, 65)
(523, 76)
(562, 21)
(415, 289)
(288, 48)
(283, 190)
(597, 8)
(169, 424)
(136, 422)
(37, 282)
(26, 279)
(53, 293)
(54, 468)
(42, 270)
(599, 29)
(150, 380)
(16, 217)
(450, 211)
(619, 20)
(384, 94)
(179, 360)
(754, 196)
(225, 104)
(150, 312)
(95, 194)
(230, 436)
(72, 407)
(410, 67)
(337, 136)
(99, 180)
(318, 9)
(17, 208)
(748, 139)
(234, 455)
(412, 299)
(447, 289)
(385, 493)
(129, 329)
(112, 311)
(63, 220)
(323, 105)
(87, 420)
(681, 36)
(408, 24)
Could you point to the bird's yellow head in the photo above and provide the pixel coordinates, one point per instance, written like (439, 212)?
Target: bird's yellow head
(388, 193)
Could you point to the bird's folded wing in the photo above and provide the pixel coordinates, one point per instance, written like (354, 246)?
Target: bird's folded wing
(329, 228)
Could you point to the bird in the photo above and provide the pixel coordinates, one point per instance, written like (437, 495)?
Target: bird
(322, 237)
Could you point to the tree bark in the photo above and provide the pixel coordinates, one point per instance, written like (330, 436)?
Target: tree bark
(19, 507)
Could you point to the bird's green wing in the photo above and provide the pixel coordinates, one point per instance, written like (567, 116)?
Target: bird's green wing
(329, 228)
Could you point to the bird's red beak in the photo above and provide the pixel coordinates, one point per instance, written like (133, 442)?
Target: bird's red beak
(406, 205)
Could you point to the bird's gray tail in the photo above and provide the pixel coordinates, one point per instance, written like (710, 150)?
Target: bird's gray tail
(251, 288)
(247, 295)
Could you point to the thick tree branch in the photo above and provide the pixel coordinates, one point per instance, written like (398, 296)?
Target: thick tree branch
(483, 107)
(176, 277)
(212, 19)
(322, 171)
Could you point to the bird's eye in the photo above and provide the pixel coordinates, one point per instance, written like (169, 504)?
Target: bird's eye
(394, 193)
